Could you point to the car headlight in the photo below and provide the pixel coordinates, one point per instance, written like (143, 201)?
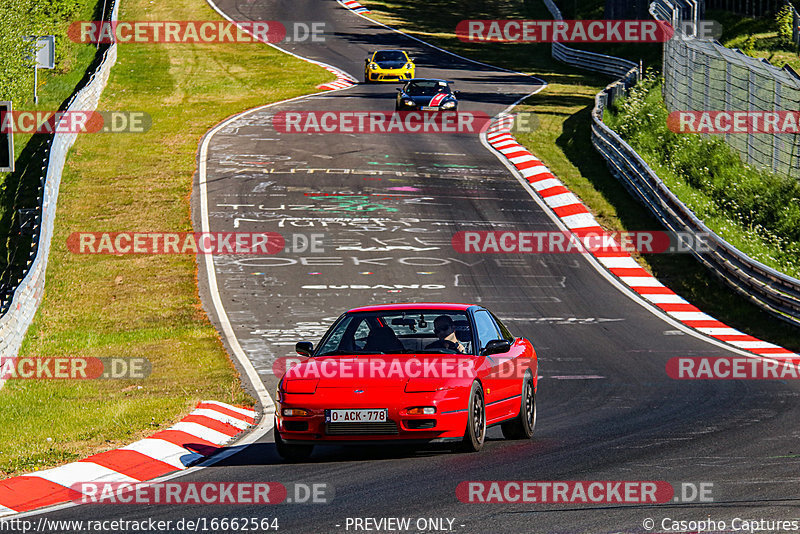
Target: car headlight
(449, 105)
(409, 66)
(373, 66)
(408, 102)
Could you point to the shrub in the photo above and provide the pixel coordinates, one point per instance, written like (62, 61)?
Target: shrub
(764, 204)
(784, 20)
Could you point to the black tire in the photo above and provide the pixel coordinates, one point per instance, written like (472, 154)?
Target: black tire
(521, 427)
(475, 434)
(291, 453)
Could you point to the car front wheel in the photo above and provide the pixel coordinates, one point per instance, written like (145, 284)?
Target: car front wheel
(475, 433)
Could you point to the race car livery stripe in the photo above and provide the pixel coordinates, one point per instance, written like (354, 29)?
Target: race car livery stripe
(437, 99)
(201, 433)
(576, 217)
(355, 6)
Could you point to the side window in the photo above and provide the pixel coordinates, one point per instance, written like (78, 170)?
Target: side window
(487, 331)
(503, 330)
(360, 335)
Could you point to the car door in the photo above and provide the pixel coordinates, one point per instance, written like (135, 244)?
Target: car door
(513, 365)
(495, 385)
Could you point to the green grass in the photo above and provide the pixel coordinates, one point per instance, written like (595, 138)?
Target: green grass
(563, 142)
(138, 306)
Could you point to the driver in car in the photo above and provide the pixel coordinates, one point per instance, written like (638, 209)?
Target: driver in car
(445, 330)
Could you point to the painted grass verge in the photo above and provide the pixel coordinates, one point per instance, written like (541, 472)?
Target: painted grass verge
(563, 143)
(138, 306)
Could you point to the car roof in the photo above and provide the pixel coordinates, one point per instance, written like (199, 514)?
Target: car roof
(391, 50)
(449, 306)
(429, 80)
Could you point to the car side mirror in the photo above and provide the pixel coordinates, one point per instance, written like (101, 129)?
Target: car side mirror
(304, 348)
(496, 346)
(397, 89)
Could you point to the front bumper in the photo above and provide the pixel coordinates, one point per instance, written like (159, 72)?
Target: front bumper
(448, 423)
(388, 75)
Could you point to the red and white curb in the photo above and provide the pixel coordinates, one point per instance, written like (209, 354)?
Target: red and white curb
(204, 431)
(342, 79)
(577, 218)
(354, 6)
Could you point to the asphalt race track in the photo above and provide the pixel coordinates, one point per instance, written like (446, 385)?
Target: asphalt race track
(387, 206)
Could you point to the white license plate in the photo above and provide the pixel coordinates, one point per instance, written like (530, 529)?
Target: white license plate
(357, 416)
(429, 108)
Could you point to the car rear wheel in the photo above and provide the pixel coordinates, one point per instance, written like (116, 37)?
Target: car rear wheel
(291, 453)
(475, 434)
(521, 427)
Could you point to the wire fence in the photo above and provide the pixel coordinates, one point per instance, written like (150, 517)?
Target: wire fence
(20, 308)
(748, 8)
(703, 75)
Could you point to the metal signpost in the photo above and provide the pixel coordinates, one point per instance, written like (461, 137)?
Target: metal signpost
(45, 57)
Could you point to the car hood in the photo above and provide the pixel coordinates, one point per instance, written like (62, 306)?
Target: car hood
(385, 370)
(435, 100)
(391, 64)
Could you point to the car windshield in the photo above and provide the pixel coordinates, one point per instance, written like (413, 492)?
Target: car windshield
(389, 55)
(426, 88)
(399, 332)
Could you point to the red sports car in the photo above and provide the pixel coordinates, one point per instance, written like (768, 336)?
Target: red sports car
(412, 373)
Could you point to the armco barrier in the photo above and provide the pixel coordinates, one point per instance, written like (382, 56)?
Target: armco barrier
(28, 294)
(610, 65)
(771, 290)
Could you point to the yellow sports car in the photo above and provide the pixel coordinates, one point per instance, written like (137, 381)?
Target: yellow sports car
(388, 66)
